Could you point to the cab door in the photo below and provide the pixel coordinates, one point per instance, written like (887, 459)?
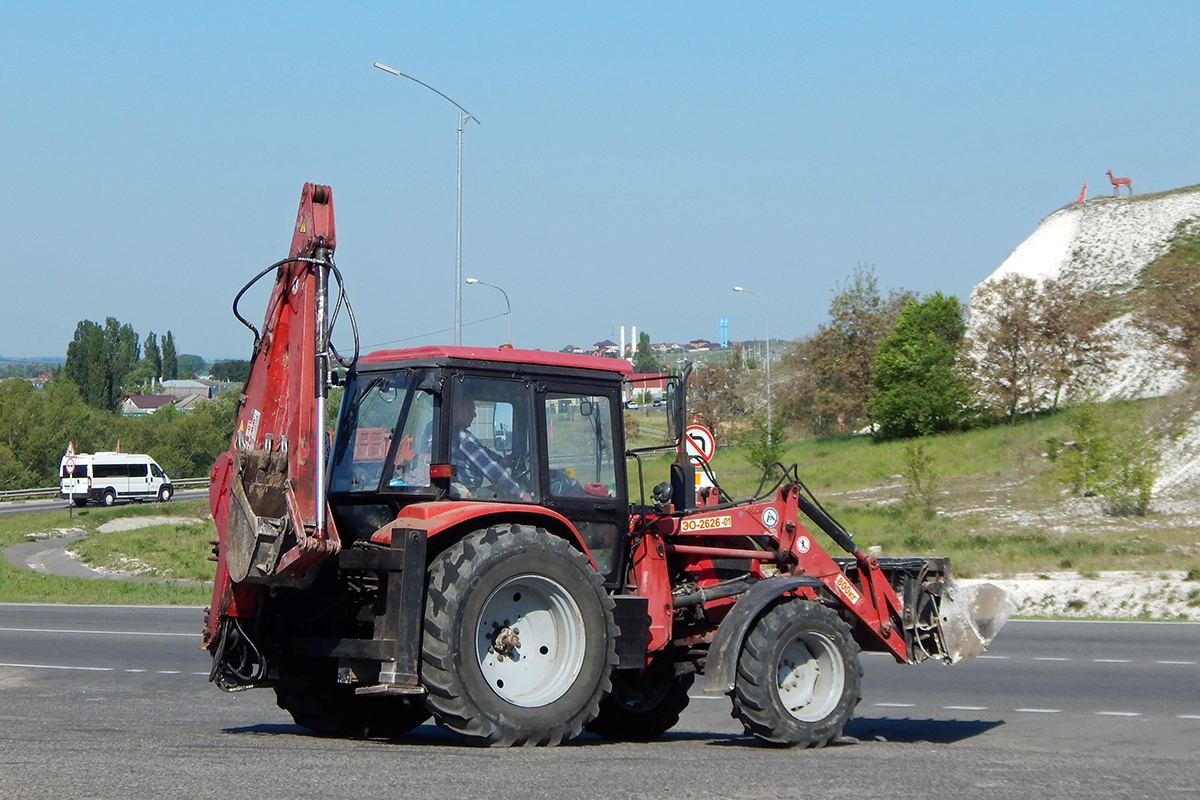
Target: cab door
(583, 475)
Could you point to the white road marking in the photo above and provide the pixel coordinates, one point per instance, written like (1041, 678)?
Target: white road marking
(168, 672)
(57, 666)
(895, 705)
(998, 658)
(1038, 710)
(1187, 716)
(1050, 658)
(135, 670)
(964, 708)
(1117, 714)
(690, 696)
(93, 633)
(1178, 663)
(1111, 660)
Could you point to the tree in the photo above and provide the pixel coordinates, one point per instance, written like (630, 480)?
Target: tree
(1076, 347)
(231, 370)
(829, 373)
(170, 361)
(643, 358)
(87, 363)
(100, 360)
(1037, 343)
(919, 388)
(153, 356)
(712, 395)
(1006, 345)
(1169, 299)
(191, 365)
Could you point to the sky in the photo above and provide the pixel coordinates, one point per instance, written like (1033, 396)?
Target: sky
(632, 162)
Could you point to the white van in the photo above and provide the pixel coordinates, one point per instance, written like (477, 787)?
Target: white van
(108, 477)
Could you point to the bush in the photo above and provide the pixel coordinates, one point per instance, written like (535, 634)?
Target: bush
(763, 447)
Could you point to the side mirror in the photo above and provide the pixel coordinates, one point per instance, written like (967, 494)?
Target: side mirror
(585, 408)
(673, 429)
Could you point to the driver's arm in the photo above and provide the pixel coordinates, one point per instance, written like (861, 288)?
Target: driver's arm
(487, 463)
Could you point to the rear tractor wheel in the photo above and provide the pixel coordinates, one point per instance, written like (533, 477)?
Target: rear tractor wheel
(519, 638)
(799, 678)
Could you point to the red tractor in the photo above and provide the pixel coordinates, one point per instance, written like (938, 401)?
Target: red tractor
(475, 543)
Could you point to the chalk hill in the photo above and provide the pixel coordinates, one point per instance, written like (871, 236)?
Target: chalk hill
(1103, 244)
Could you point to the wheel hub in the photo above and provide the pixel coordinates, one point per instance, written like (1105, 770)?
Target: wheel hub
(530, 641)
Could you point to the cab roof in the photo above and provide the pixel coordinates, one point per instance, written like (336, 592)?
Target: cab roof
(500, 355)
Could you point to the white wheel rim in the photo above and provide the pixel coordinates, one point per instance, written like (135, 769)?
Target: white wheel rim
(811, 676)
(542, 643)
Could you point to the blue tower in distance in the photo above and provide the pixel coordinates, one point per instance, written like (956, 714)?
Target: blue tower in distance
(724, 333)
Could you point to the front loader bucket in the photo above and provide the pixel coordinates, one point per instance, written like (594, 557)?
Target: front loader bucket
(970, 616)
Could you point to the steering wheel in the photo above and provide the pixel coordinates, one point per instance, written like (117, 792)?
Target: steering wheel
(563, 485)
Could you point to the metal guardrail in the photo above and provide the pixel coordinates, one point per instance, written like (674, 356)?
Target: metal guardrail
(52, 491)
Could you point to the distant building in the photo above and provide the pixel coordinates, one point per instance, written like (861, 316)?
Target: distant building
(605, 348)
(142, 405)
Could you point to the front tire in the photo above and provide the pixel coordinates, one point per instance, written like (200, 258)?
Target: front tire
(520, 640)
(164, 494)
(799, 677)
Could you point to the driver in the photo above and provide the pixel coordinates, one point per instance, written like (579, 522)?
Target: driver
(472, 461)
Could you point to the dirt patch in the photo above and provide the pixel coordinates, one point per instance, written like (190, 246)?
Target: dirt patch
(133, 523)
(1108, 595)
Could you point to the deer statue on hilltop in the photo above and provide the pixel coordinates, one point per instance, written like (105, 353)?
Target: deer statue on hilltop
(1118, 183)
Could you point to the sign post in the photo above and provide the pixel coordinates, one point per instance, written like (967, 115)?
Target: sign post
(69, 466)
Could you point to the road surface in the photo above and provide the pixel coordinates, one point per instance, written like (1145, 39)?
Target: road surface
(114, 702)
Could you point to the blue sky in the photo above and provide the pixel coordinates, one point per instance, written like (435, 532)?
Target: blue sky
(634, 161)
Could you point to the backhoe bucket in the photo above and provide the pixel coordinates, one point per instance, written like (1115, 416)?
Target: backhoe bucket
(971, 614)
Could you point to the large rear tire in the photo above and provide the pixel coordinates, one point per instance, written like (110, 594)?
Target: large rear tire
(643, 705)
(799, 677)
(333, 709)
(519, 641)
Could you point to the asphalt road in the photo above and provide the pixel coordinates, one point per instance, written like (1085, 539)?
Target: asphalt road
(59, 504)
(114, 702)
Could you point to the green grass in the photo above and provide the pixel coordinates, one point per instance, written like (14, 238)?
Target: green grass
(26, 586)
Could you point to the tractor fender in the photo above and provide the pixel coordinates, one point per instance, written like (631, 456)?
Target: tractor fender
(720, 667)
(441, 516)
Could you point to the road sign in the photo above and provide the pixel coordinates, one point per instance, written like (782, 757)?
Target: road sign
(699, 442)
(69, 463)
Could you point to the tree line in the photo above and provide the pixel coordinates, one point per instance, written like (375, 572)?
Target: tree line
(36, 425)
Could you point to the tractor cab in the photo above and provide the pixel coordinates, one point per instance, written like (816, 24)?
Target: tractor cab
(486, 426)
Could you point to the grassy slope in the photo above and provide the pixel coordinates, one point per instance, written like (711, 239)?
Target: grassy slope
(22, 585)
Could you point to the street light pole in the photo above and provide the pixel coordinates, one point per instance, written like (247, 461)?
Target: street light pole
(463, 116)
(767, 314)
(508, 305)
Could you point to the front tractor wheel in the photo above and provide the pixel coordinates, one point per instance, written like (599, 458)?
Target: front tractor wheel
(799, 678)
(520, 640)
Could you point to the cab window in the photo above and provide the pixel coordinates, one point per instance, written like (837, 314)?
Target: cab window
(579, 446)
